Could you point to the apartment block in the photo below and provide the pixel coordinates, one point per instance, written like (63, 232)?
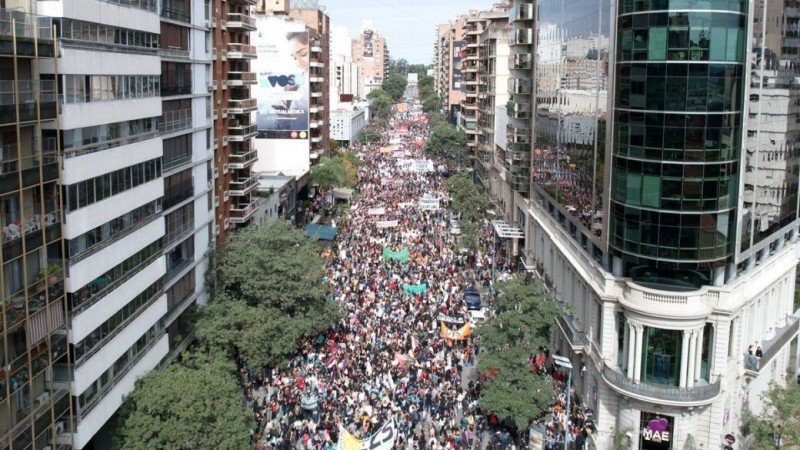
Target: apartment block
(371, 52)
(233, 107)
(35, 405)
(449, 50)
(661, 205)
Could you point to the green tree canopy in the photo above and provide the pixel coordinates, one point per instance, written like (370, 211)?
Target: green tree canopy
(395, 85)
(781, 415)
(449, 143)
(336, 171)
(468, 199)
(522, 322)
(269, 294)
(370, 135)
(430, 103)
(194, 405)
(381, 104)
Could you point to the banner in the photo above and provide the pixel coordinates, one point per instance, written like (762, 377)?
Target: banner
(387, 149)
(415, 288)
(442, 317)
(386, 223)
(405, 205)
(383, 439)
(282, 74)
(401, 255)
(456, 335)
(429, 203)
(376, 211)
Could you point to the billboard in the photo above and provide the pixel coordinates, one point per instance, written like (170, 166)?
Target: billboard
(282, 70)
(458, 54)
(368, 52)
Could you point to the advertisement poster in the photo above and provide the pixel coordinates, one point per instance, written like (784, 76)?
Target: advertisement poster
(656, 432)
(368, 52)
(458, 54)
(282, 91)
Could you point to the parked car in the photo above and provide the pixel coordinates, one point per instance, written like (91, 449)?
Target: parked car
(455, 227)
(472, 297)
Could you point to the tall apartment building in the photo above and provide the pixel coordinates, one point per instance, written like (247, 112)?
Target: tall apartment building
(662, 205)
(371, 51)
(35, 404)
(448, 52)
(491, 163)
(318, 25)
(235, 200)
(134, 135)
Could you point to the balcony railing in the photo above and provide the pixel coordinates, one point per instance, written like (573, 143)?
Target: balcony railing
(174, 121)
(771, 348)
(241, 51)
(25, 25)
(241, 78)
(176, 89)
(243, 213)
(26, 95)
(242, 106)
(29, 222)
(238, 131)
(241, 186)
(175, 52)
(179, 14)
(660, 393)
(243, 161)
(243, 21)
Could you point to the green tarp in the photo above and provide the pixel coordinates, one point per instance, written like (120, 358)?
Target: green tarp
(317, 231)
(401, 256)
(415, 288)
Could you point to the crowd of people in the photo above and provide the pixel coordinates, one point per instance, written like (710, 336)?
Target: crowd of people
(385, 370)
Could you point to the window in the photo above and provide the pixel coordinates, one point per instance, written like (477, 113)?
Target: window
(87, 192)
(95, 88)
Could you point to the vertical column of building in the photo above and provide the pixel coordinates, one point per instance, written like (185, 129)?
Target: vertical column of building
(234, 106)
(187, 159)
(468, 66)
(34, 400)
(109, 68)
(520, 90)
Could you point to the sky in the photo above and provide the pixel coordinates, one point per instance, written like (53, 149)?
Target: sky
(409, 26)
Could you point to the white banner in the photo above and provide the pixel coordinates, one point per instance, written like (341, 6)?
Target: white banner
(428, 203)
(384, 439)
(405, 205)
(386, 223)
(376, 211)
(442, 317)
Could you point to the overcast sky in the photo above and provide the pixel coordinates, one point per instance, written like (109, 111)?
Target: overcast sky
(408, 25)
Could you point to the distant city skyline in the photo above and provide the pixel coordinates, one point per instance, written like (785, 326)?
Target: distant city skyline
(409, 27)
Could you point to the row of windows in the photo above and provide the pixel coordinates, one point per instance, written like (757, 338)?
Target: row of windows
(87, 192)
(691, 94)
(108, 135)
(96, 88)
(684, 44)
(110, 326)
(109, 378)
(672, 236)
(117, 275)
(630, 6)
(79, 30)
(676, 194)
(111, 229)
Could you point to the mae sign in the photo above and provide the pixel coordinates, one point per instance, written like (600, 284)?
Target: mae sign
(656, 431)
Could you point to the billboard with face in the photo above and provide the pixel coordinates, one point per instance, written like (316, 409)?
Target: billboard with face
(368, 50)
(458, 55)
(282, 70)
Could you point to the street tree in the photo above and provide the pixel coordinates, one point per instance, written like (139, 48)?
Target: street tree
(448, 143)
(430, 103)
(269, 294)
(468, 199)
(523, 320)
(336, 171)
(195, 404)
(515, 392)
(370, 135)
(395, 85)
(780, 418)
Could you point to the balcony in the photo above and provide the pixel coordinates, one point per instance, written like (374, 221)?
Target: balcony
(241, 78)
(661, 394)
(520, 86)
(174, 52)
(523, 11)
(522, 36)
(238, 21)
(239, 131)
(784, 335)
(241, 51)
(243, 212)
(517, 110)
(26, 28)
(242, 106)
(11, 163)
(175, 121)
(243, 161)
(242, 186)
(518, 135)
(175, 89)
(244, 2)
(27, 95)
(169, 11)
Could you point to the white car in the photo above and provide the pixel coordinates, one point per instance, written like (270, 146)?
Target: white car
(455, 227)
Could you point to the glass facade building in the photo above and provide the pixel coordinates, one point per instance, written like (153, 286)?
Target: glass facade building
(679, 88)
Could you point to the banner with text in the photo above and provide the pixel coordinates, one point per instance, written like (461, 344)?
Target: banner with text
(383, 439)
(386, 223)
(429, 203)
(456, 335)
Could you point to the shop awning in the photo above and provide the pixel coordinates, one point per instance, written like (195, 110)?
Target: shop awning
(343, 193)
(323, 232)
(504, 230)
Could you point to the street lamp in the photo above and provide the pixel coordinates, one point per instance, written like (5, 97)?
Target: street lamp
(566, 364)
